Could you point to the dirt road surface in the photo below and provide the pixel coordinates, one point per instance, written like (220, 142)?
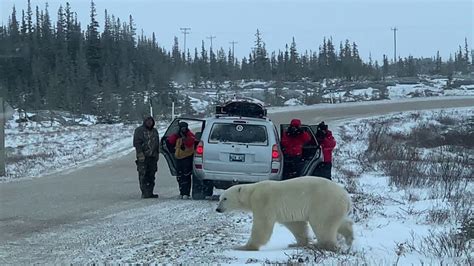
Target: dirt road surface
(95, 214)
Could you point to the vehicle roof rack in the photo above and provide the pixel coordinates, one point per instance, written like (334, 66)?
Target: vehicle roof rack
(241, 108)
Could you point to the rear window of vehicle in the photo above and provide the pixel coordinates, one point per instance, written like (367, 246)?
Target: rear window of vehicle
(239, 133)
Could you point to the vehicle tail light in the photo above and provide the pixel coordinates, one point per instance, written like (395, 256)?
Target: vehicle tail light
(276, 157)
(275, 153)
(199, 149)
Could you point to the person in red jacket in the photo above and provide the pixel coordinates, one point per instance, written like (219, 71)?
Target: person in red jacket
(327, 142)
(183, 143)
(292, 143)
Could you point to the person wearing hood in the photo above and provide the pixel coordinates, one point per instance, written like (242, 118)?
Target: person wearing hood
(183, 141)
(147, 146)
(327, 142)
(292, 143)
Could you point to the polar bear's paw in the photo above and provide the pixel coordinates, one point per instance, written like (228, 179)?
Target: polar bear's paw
(246, 248)
(298, 245)
(326, 246)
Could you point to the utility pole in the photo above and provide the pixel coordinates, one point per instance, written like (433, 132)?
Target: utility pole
(185, 32)
(2, 137)
(211, 38)
(394, 44)
(233, 43)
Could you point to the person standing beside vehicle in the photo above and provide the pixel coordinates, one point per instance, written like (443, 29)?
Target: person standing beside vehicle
(327, 142)
(146, 141)
(292, 143)
(183, 142)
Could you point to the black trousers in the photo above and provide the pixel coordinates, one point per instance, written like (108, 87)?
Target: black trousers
(292, 167)
(185, 170)
(323, 170)
(146, 174)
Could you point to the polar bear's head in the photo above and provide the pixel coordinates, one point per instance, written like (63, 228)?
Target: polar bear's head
(235, 198)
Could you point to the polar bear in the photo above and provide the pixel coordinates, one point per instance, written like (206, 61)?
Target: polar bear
(293, 203)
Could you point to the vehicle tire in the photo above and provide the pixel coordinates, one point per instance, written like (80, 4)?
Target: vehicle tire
(223, 184)
(197, 192)
(208, 188)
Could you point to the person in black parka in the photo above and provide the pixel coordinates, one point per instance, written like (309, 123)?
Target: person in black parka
(147, 146)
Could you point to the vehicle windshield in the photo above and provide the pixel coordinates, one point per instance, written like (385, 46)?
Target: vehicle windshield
(239, 133)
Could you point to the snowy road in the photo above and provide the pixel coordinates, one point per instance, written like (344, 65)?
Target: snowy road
(94, 214)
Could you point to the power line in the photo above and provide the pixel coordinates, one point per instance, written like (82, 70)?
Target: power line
(211, 38)
(394, 44)
(233, 43)
(185, 32)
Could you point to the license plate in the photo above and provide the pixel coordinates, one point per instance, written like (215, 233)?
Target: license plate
(237, 157)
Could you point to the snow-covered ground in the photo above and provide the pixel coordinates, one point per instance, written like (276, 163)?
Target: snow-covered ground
(35, 149)
(393, 224)
(330, 91)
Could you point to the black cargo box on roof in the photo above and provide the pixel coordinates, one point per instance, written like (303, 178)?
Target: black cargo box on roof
(242, 109)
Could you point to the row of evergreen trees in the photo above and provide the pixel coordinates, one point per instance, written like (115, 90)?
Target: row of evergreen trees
(63, 65)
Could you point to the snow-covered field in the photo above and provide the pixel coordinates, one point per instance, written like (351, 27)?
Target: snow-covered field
(329, 91)
(405, 225)
(34, 149)
(395, 223)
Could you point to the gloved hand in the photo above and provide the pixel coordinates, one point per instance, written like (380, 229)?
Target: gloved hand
(140, 157)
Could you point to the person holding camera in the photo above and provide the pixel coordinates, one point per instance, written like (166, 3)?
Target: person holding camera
(327, 142)
(183, 141)
(292, 143)
(147, 146)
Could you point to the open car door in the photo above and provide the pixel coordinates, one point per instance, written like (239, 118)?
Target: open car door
(311, 151)
(195, 125)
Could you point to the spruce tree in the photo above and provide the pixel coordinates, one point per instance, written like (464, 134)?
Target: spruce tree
(385, 67)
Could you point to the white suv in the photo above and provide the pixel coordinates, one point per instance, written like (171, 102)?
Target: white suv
(239, 145)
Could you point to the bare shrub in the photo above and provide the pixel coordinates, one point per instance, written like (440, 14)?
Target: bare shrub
(425, 136)
(351, 185)
(446, 244)
(344, 135)
(349, 173)
(365, 205)
(378, 146)
(450, 171)
(434, 156)
(412, 197)
(463, 137)
(467, 228)
(461, 206)
(459, 242)
(437, 216)
(405, 168)
(399, 158)
(444, 119)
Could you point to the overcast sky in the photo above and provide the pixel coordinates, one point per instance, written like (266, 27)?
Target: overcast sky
(425, 26)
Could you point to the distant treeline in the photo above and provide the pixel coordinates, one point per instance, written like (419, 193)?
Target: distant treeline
(65, 66)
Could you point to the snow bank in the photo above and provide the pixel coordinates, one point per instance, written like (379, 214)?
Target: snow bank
(293, 102)
(37, 149)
